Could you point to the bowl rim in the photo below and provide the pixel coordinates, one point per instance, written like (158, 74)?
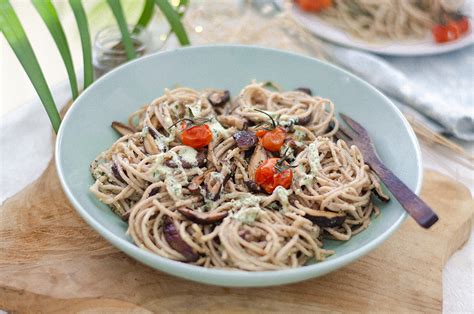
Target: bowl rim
(223, 277)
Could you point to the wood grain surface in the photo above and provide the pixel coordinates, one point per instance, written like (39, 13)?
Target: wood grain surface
(51, 261)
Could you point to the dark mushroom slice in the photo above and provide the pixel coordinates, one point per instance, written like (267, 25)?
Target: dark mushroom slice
(154, 191)
(233, 121)
(252, 186)
(176, 242)
(201, 158)
(245, 139)
(219, 98)
(194, 186)
(305, 90)
(259, 155)
(116, 172)
(152, 132)
(326, 219)
(305, 120)
(122, 129)
(202, 218)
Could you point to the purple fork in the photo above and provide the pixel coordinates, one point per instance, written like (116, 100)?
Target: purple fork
(358, 136)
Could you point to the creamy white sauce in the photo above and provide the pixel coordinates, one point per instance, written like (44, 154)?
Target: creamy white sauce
(247, 215)
(217, 129)
(174, 188)
(189, 155)
(282, 195)
(195, 108)
(313, 159)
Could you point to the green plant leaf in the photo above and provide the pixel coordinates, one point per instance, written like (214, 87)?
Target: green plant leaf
(123, 26)
(15, 35)
(145, 17)
(174, 20)
(50, 17)
(83, 26)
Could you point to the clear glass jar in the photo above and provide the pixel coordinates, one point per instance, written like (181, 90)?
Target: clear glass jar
(109, 51)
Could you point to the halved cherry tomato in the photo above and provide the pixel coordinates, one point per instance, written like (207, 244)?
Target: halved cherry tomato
(197, 136)
(445, 33)
(268, 176)
(314, 5)
(272, 140)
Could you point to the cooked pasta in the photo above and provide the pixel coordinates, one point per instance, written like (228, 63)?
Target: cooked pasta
(379, 20)
(204, 201)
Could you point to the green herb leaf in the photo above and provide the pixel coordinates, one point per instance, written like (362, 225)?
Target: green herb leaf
(174, 19)
(15, 35)
(82, 25)
(145, 17)
(123, 26)
(50, 17)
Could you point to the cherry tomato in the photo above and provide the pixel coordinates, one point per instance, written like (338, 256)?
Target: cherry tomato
(197, 136)
(261, 133)
(445, 33)
(463, 24)
(272, 140)
(268, 176)
(314, 5)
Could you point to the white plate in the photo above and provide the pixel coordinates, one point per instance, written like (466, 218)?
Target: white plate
(423, 47)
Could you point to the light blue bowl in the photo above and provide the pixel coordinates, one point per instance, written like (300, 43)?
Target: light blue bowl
(86, 131)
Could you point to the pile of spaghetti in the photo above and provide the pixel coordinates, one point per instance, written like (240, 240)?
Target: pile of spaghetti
(253, 183)
(401, 20)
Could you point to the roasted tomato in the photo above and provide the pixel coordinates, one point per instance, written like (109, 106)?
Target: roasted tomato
(197, 136)
(272, 140)
(443, 33)
(313, 5)
(463, 24)
(272, 173)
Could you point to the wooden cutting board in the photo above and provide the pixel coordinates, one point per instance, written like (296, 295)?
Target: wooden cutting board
(51, 261)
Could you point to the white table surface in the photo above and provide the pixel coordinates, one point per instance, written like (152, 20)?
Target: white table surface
(18, 104)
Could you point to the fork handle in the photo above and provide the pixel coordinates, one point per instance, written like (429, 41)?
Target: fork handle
(415, 207)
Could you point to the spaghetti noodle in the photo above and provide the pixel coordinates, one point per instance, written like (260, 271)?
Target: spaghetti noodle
(205, 206)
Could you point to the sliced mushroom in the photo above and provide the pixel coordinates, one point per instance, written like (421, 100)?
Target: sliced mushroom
(304, 120)
(194, 186)
(305, 90)
(150, 145)
(219, 98)
(153, 133)
(326, 219)
(176, 242)
(154, 191)
(252, 186)
(245, 139)
(201, 158)
(202, 218)
(122, 129)
(116, 172)
(233, 121)
(259, 155)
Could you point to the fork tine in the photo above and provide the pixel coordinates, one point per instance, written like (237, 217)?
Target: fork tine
(354, 125)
